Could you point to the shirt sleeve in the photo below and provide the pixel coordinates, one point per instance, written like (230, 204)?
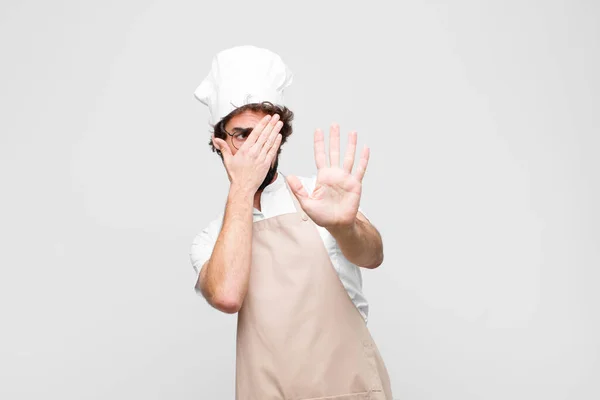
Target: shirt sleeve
(200, 252)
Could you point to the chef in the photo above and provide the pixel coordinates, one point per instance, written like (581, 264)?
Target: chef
(286, 253)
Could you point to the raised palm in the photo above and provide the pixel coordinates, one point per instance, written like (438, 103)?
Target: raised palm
(334, 201)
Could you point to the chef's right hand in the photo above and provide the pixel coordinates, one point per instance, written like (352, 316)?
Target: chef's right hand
(248, 167)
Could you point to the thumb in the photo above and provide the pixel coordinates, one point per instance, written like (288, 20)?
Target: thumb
(297, 188)
(222, 146)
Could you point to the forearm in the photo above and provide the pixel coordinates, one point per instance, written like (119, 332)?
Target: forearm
(224, 278)
(360, 243)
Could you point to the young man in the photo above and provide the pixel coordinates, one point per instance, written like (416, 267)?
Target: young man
(286, 253)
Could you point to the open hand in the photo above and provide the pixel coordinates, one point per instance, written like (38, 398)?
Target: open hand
(334, 202)
(248, 166)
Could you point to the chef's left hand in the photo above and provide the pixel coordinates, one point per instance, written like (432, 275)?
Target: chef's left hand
(334, 202)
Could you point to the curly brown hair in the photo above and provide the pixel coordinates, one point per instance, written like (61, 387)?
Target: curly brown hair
(285, 115)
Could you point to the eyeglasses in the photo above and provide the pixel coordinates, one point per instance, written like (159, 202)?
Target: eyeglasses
(238, 138)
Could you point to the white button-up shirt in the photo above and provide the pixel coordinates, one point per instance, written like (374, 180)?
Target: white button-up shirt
(276, 200)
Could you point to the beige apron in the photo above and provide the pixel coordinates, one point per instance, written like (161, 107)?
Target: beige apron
(299, 336)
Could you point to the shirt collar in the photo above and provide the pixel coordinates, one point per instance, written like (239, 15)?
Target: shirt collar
(279, 183)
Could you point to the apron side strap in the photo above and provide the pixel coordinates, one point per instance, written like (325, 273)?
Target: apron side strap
(293, 195)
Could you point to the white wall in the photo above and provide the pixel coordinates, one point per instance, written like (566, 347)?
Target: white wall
(483, 122)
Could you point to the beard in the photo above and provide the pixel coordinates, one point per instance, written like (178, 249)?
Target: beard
(270, 175)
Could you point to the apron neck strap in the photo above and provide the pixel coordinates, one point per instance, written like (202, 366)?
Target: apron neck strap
(296, 203)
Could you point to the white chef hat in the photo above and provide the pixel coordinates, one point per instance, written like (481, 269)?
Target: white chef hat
(243, 75)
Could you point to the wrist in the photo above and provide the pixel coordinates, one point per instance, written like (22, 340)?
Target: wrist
(344, 230)
(241, 192)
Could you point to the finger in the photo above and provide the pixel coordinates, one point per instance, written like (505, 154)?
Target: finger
(350, 151)
(264, 135)
(320, 157)
(273, 150)
(251, 139)
(222, 146)
(334, 145)
(362, 164)
(297, 188)
(270, 141)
